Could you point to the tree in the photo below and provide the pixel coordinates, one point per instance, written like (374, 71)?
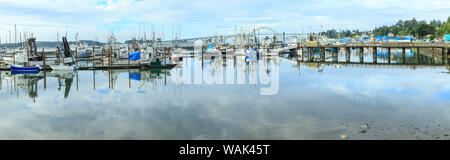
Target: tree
(423, 30)
(445, 29)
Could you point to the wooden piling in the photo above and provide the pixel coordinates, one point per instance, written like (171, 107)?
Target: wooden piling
(303, 51)
(59, 55)
(347, 54)
(168, 50)
(45, 80)
(361, 55)
(93, 75)
(129, 77)
(76, 56)
(446, 55)
(14, 58)
(443, 56)
(103, 52)
(322, 54)
(109, 57)
(43, 57)
(335, 53)
(93, 56)
(403, 55)
(128, 51)
(418, 55)
(432, 56)
(389, 55)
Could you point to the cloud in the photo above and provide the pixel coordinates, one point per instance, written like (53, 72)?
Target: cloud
(202, 17)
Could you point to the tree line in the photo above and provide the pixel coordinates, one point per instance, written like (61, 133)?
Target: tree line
(420, 29)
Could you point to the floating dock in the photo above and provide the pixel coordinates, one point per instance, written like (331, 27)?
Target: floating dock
(106, 67)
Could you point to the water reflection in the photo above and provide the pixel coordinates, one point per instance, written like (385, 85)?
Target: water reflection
(220, 99)
(367, 55)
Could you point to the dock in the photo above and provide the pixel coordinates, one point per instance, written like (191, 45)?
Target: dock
(307, 51)
(107, 67)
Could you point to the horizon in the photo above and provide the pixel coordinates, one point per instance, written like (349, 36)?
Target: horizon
(129, 18)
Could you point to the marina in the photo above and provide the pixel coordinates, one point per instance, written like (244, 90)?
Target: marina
(274, 88)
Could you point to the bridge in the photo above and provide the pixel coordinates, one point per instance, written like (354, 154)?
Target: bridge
(254, 36)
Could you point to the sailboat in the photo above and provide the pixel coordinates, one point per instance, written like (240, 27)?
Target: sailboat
(27, 55)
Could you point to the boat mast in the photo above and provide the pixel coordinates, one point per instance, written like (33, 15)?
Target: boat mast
(15, 41)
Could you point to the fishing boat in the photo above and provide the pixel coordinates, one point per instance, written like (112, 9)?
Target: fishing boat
(27, 54)
(64, 65)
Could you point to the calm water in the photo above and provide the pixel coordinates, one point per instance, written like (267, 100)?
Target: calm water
(233, 98)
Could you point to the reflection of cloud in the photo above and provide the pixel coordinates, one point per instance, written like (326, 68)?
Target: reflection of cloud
(318, 107)
(338, 89)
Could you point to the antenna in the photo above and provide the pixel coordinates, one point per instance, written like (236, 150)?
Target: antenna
(57, 38)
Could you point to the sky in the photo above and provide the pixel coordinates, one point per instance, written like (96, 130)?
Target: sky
(94, 19)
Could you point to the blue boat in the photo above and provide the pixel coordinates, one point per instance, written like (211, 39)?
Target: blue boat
(14, 68)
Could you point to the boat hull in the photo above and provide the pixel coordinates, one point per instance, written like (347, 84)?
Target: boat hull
(63, 68)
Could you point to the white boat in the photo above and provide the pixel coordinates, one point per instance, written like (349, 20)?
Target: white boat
(21, 57)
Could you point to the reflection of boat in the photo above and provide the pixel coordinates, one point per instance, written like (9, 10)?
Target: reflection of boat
(26, 81)
(61, 74)
(24, 72)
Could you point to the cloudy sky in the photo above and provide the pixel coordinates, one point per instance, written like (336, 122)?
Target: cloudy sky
(94, 18)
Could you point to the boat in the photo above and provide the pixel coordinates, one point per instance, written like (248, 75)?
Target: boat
(24, 72)
(269, 52)
(27, 54)
(62, 67)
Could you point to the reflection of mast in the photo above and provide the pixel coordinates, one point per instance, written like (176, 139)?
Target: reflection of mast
(27, 83)
(68, 79)
(67, 89)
